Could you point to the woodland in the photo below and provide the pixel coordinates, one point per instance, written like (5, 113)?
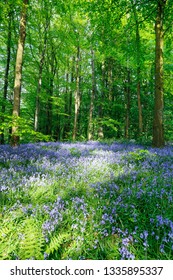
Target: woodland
(86, 70)
(86, 130)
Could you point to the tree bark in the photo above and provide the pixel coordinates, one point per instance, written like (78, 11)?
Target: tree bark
(90, 124)
(101, 98)
(52, 67)
(71, 97)
(18, 74)
(57, 133)
(41, 64)
(138, 61)
(2, 141)
(158, 128)
(110, 79)
(67, 105)
(127, 105)
(77, 95)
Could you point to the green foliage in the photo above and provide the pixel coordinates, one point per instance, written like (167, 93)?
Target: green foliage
(49, 81)
(8, 239)
(25, 130)
(50, 67)
(109, 123)
(87, 211)
(139, 156)
(22, 238)
(56, 243)
(75, 152)
(32, 241)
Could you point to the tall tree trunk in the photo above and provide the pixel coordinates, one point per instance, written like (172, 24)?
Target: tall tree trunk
(101, 101)
(48, 126)
(71, 97)
(66, 106)
(138, 61)
(37, 101)
(52, 71)
(90, 124)
(77, 94)
(127, 105)
(110, 79)
(158, 129)
(18, 73)
(6, 76)
(57, 125)
(41, 64)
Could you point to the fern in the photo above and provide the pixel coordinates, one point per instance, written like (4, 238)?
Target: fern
(56, 242)
(8, 240)
(32, 241)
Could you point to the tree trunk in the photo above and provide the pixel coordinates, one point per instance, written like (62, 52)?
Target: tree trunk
(52, 67)
(100, 131)
(2, 141)
(158, 129)
(48, 126)
(42, 59)
(57, 125)
(71, 97)
(66, 106)
(110, 80)
(127, 105)
(138, 61)
(77, 95)
(90, 124)
(18, 74)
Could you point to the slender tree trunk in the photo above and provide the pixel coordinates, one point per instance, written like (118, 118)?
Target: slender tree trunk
(110, 80)
(90, 124)
(77, 95)
(66, 105)
(49, 108)
(18, 73)
(70, 107)
(158, 129)
(57, 132)
(42, 59)
(2, 141)
(71, 97)
(138, 60)
(102, 98)
(140, 118)
(127, 105)
(37, 107)
(52, 71)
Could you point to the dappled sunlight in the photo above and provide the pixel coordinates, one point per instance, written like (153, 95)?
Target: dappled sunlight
(81, 197)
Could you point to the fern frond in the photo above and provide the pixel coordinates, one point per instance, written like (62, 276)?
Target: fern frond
(56, 242)
(8, 240)
(32, 241)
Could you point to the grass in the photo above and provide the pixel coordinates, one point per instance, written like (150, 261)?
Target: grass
(100, 201)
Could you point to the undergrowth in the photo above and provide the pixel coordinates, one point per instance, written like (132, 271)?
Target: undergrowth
(86, 201)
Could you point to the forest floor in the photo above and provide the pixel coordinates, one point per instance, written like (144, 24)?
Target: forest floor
(87, 200)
